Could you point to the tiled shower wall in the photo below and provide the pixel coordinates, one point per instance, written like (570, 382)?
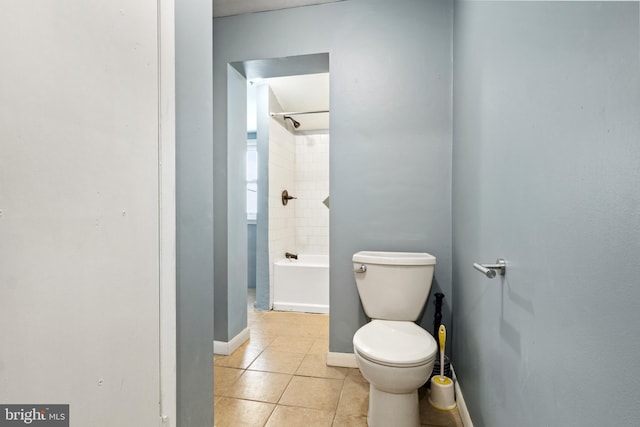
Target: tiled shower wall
(299, 164)
(282, 171)
(312, 187)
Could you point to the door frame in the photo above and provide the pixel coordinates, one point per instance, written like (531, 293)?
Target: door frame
(167, 211)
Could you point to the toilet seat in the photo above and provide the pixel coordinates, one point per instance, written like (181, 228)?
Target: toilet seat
(395, 343)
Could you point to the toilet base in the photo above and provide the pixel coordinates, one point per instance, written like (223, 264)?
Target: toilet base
(392, 409)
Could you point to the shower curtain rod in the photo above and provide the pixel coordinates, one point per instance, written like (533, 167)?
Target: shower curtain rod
(295, 113)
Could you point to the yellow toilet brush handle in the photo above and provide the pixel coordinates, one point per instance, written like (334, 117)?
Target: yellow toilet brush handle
(442, 338)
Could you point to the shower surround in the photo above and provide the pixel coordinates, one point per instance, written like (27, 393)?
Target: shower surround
(298, 163)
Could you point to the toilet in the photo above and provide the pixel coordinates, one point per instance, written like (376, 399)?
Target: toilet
(394, 354)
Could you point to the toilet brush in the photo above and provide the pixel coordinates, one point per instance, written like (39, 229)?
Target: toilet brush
(442, 392)
(437, 321)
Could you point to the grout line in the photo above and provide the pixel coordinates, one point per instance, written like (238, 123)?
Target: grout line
(313, 339)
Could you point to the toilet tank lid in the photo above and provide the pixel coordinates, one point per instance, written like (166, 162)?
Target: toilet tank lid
(394, 258)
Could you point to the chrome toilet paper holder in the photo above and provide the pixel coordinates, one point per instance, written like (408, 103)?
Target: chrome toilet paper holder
(489, 270)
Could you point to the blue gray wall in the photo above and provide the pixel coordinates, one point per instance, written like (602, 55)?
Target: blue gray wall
(194, 205)
(390, 175)
(546, 171)
(251, 255)
(262, 220)
(236, 280)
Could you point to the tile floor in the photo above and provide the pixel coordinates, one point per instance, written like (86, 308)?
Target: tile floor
(280, 378)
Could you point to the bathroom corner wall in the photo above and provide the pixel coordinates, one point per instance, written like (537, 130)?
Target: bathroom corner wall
(194, 213)
(546, 155)
(390, 173)
(312, 187)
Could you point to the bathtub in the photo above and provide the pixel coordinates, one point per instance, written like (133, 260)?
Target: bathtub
(302, 285)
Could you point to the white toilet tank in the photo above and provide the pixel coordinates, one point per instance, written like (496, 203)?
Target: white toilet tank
(393, 285)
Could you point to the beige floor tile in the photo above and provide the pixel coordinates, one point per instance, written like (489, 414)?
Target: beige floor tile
(293, 325)
(316, 393)
(277, 361)
(356, 375)
(261, 341)
(256, 322)
(315, 365)
(288, 317)
(270, 329)
(274, 319)
(354, 399)
(320, 346)
(256, 385)
(241, 358)
(308, 331)
(318, 321)
(349, 421)
(430, 416)
(305, 333)
(291, 344)
(237, 412)
(276, 351)
(253, 320)
(253, 312)
(224, 377)
(313, 320)
(304, 417)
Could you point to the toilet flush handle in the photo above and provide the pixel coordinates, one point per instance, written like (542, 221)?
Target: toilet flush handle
(361, 269)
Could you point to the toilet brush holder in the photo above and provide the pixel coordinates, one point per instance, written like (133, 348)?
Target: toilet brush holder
(436, 368)
(442, 393)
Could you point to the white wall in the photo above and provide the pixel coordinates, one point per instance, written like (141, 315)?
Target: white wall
(79, 239)
(312, 187)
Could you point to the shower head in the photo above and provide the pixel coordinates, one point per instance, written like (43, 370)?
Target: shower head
(296, 124)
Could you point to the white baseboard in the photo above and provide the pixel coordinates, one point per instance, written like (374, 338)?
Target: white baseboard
(226, 348)
(462, 406)
(343, 360)
(301, 308)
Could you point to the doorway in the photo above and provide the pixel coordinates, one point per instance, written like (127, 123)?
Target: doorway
(259, 72)
(288, 154)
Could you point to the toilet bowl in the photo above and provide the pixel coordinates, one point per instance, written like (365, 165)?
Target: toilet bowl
(396, 357)
(394, 354)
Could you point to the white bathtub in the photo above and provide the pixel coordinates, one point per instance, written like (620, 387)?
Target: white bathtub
(302, 285)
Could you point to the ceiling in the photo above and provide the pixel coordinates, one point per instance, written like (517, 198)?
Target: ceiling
(238, 7)
(309, 92)
(297, 93)
(302, 93)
